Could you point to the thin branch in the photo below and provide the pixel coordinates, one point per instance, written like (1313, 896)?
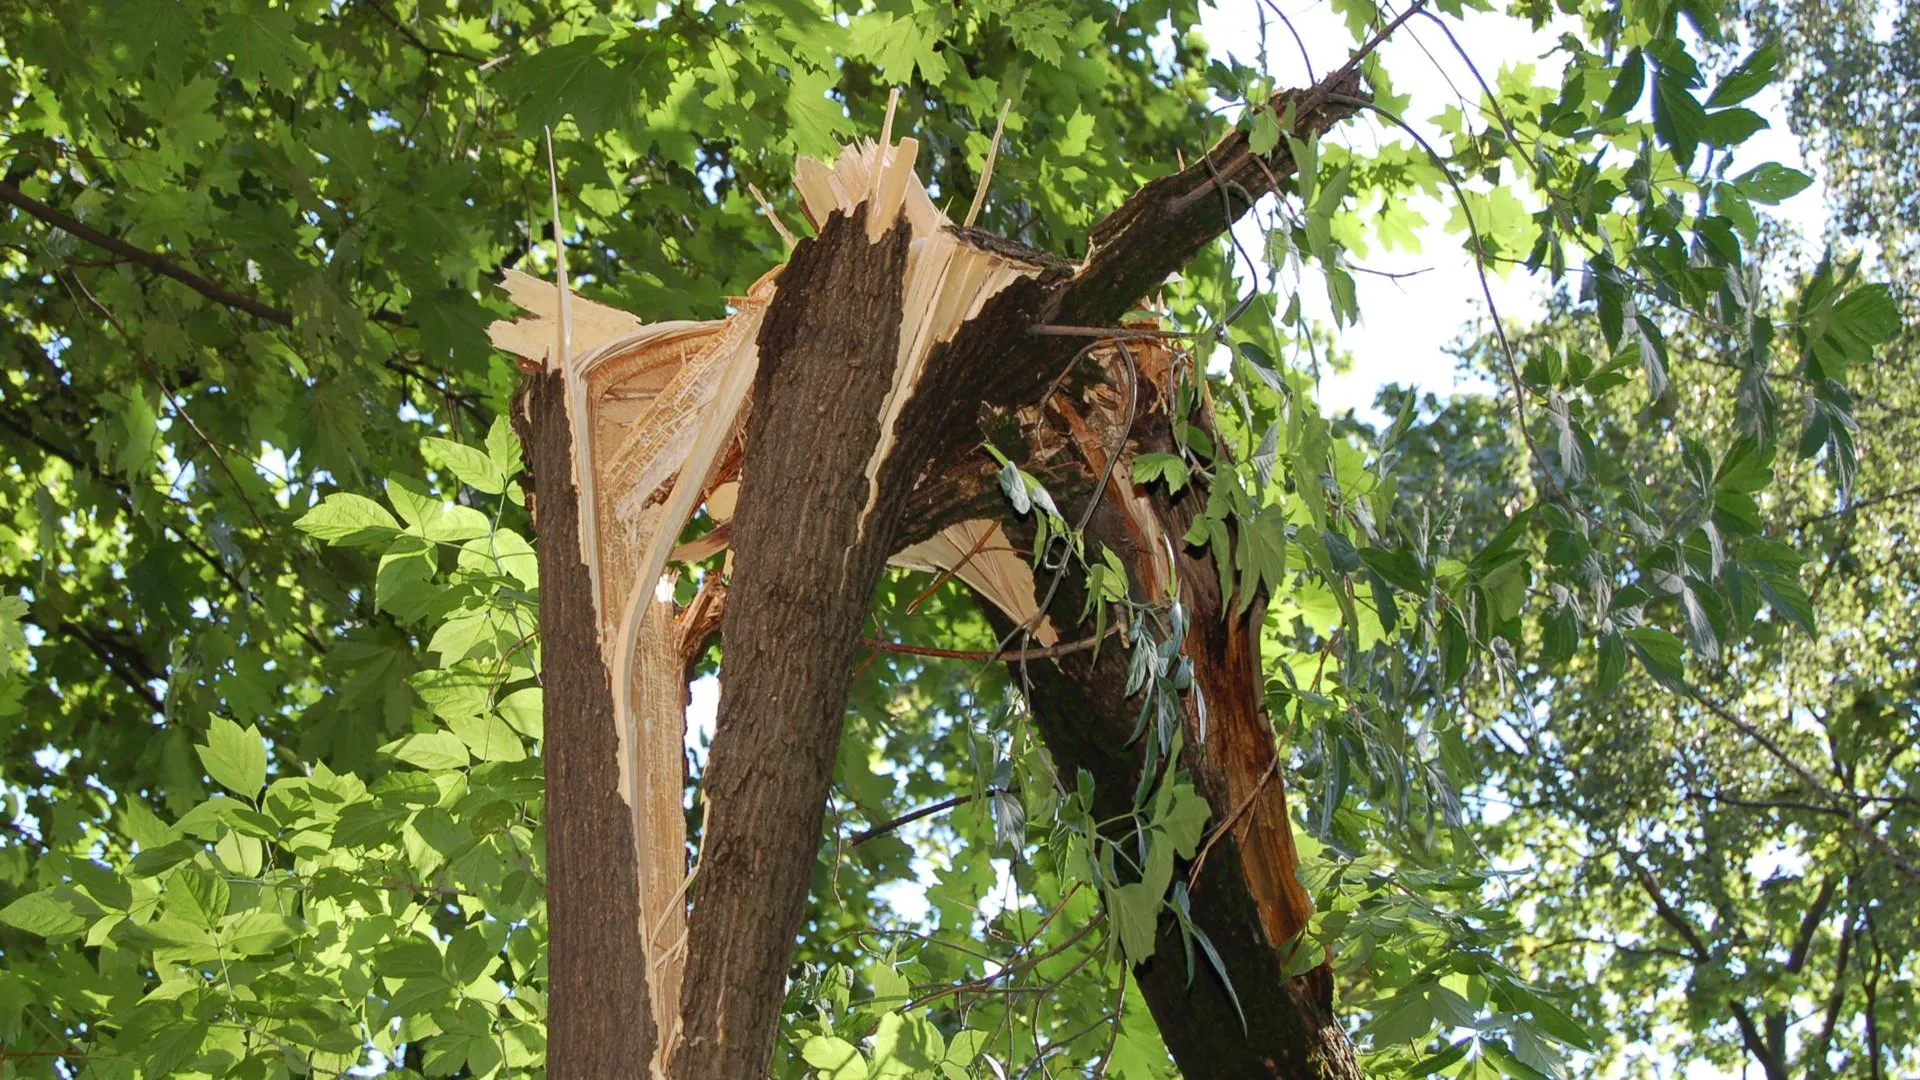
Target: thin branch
(1273, 768)
(1838, 997)
(214, 291)
(912, 816)
(128, 670)
(1113, 333)
(179, 408)
(120, 488)
(1013, 968)
(417, 41)
(1857, 505)
(1480, 267)
(1668, 914)
(159, 264)
(984, 655)
(1375, 41)
(1749, 1031)
(1810, 925)
(1113, 1036)
(1894, 857)
(1305, 60)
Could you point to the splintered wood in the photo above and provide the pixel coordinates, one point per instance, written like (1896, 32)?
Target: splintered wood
(657, 413)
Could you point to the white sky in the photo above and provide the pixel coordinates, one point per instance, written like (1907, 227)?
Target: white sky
(1406, 324)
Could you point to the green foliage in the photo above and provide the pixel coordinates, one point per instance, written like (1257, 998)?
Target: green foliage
(311, 921)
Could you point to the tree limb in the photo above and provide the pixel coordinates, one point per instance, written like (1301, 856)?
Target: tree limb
(159, 264)
(1894, 857)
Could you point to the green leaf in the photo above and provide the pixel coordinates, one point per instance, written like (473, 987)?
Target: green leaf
(434, 751)
(1771, 183)
(524, 709)
(1628, 86)
(818, 121)
(1677, 117)
(254, 933)
(236, 758)
(1401, 568)
(473, 466)
(558, 81)
(1263, 134)
(1160, 466)
(1429, 1066)
(1661, 652)
(503, 448)
(1867, 316)
(965, 1046)
(1752, 76)
(1490, 556)
(410, 958)
(837, 1059)
(1408, 1016)
(58, 912)
(1135, 910)
(904, 1045)
(1073, 140)
(489, 737)
(1731, 127)
(349, 520)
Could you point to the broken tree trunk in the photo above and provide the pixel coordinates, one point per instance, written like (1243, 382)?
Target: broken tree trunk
(593, 944)
(870, 361)
(1243, 892)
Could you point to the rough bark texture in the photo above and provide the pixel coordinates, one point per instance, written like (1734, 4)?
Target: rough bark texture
(1082, 714)
(600, 1021)
(801, 586)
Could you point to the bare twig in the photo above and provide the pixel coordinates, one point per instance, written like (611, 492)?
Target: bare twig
(984, 655)
(1894, 858)
(1858, 505)
(986, 171)
(912, 816)
(1375, 41)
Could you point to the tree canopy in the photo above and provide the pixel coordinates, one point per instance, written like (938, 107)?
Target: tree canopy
(1592, 695)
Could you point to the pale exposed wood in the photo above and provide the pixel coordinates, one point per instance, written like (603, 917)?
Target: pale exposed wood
(659, 404)
(994, 570)
(532, 338)
(773, 218)
(652, 779)
(986, 171)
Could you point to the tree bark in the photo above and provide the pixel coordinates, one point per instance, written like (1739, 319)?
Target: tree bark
(600, 1015)
(1083, 715)
(803, 577)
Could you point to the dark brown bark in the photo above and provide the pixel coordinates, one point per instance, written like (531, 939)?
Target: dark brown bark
(600, 1018)
(803, 577)
(1082, 713)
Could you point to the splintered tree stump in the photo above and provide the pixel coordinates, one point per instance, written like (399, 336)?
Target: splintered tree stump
(827, 427)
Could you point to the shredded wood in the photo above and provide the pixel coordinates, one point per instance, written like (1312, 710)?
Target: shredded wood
(978, 553)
